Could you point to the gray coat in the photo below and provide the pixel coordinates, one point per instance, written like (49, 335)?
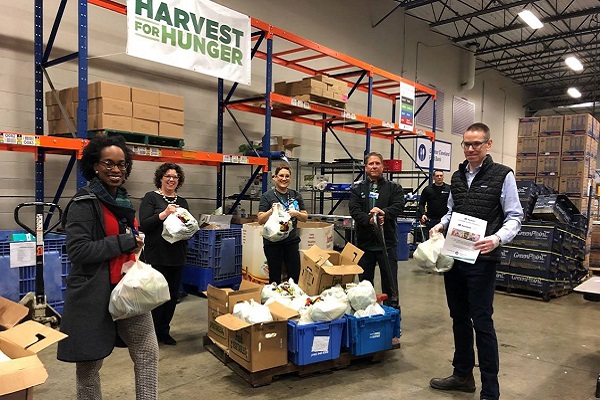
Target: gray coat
(86, 319)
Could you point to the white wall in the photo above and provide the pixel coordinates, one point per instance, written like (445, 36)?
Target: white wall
(343, 25)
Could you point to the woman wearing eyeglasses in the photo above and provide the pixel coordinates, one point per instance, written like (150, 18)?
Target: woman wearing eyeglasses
(165, 257)
(287, 249)
(101, 235)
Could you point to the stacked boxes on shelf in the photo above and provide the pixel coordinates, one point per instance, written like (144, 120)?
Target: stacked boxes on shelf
(319, 88)
(579, 151)
(118, 107)
(527, 148)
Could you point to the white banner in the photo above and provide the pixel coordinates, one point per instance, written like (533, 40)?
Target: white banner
(407, 107)
(198, 35)
(443, 154)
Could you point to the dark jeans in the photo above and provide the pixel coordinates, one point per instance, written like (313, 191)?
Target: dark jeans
(470, 294)
(368, 261)
(277, 254)
(163, 314)
(428, 225)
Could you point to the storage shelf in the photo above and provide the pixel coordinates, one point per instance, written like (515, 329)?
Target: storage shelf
(30, 143)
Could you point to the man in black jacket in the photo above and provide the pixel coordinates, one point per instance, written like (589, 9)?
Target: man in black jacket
(377, 195)
(433, 203)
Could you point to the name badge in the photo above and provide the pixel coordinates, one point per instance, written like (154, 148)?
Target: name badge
(373, 195)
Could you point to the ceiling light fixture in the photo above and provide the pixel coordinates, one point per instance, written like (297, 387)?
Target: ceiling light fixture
(530, 19)
(573, 63)
(573, 92)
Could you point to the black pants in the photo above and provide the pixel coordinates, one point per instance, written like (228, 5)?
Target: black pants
(368, 261)
(470, 294)
(163, 314)
(428, 225)
(276, 254)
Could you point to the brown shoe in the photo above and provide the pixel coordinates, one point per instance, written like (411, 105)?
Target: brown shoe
(453, 382)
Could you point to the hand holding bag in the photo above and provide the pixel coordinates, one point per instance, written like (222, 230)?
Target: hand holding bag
(279, 224)
(428, 257)
(141, 290)
(180, 225)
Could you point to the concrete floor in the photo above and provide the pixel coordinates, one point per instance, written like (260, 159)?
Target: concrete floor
(547, 351)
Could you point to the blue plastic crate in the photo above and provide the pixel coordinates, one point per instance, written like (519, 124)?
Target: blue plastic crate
(311, 343)
(197, 279)
(217, 249)
(372, 334)
(17, 282)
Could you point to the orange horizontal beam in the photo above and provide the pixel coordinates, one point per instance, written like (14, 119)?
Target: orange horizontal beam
(110, 5)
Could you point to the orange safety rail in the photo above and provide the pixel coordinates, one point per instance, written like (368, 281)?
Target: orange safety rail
(29, 143)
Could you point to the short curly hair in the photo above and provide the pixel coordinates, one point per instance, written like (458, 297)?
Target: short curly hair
(93, 151)
(162, 170)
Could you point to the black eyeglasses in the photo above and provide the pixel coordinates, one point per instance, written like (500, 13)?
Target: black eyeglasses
(122, 165)
(474, 145)
(174, 177)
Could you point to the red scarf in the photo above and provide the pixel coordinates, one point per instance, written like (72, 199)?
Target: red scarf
(112, 229)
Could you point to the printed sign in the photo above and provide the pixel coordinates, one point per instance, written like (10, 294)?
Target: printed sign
(443, 154)
(197, 35)
(407, 107)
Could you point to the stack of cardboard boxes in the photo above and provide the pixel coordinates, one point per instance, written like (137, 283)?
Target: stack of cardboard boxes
(118, 107)
(318, 88)
(560, 153)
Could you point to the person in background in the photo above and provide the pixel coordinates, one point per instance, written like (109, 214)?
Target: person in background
(101, 235)
(167, 258)
(377, 195)
(487, 190)
(433, 203)
(286, 250)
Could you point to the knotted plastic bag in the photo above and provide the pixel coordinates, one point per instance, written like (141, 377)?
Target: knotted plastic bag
(180, 225)
(279, 224)
(140, 291)
(428, 257)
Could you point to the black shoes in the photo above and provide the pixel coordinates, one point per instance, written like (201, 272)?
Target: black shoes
(167, 339)
(453, 382)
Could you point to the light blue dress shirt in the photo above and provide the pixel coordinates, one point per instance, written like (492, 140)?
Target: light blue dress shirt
(509, 199)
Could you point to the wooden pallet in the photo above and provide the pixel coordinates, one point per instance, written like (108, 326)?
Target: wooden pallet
(546, 296)
(265, 377)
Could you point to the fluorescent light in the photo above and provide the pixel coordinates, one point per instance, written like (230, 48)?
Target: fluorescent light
(574, 63)
(573, 92)
(530, 19)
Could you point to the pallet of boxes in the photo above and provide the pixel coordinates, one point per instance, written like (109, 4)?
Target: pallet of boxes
(142, 116)
(322, 323)
(320, 89)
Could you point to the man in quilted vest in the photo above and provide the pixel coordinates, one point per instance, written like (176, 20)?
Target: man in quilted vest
(487, 190)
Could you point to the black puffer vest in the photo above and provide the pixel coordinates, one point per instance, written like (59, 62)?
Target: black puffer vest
(482, 199)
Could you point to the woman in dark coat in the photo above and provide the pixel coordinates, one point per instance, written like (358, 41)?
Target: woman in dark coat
(168, 258)
(101, 235)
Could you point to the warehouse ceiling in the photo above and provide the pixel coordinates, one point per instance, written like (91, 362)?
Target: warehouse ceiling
(531, 58)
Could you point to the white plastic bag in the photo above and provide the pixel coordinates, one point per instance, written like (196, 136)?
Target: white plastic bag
(141, 290)
(278, 226)
(428, 257)
(362, 295)
(180, 225)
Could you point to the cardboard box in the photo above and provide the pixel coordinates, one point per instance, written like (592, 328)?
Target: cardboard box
(526, 166)
(219, 221)
(171, 101)
(144, 96)
(172, 116)
(110, 90)
(221, 301)
(527, 145)
(21, 343)
(575, 185)
(108, 121)
(578, 166)
(168, 129)
(281, 88)
(144, 126)
(548, 165)
(549, 145)
(579, 145)
(551, 182)
(105, 105)
(529, 127)
(146, 111)
(552, 125)
(316, 276)
(315, 233)
(262, 345)
(254, 262)
(580, 123)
